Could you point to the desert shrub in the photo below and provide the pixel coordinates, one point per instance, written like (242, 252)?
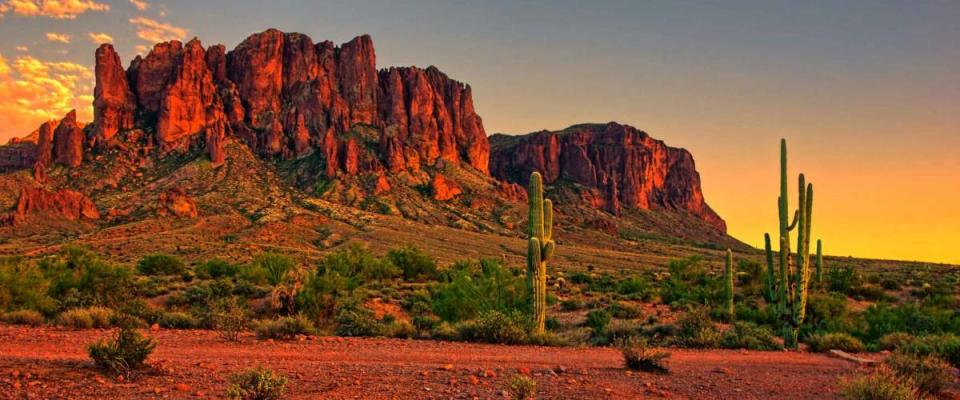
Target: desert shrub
(841, 279)
(868, 292)
(636, 287)
(912, 318)
(284, 328)
(696, 330)
(401, 330)
(639, 356)
(882, 384)
(470, 289)
(827, 312)
(23, 317)
(891, 284)
(894, 341)
(356, 320)
(80, 279)
(618, 330)
(835, 341)
(86, 318)
(425, 323)
(273, 265)
(444, 331)
(598, 320)
(415, 263)
(929, 373)
(178, 320)
(160, 264)
(624, 310)
(358, 264)
(259, 383)
(572, 305)
(946, 347)
(522, 388)
(322, 291)
(494, 327)
(124, 352)
(215, 269)
(745, 335)
(24, 287)
(229, 319)
(690, 284)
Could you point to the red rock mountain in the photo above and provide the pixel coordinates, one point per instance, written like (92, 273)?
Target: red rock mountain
(620, 165)
(288, 98)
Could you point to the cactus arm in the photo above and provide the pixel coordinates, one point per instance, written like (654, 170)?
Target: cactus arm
(771, 274)
(819, 262)
(796, 218)
(536, 205)
(547, 220)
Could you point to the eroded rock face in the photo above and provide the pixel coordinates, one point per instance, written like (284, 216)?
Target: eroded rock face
(625, 166)
(444, 189)
(68, 141)
(114, 103)
(66, 204)
(187, 106)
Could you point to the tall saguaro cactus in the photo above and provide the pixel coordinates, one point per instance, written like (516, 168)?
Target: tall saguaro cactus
(728, 289)
(789, 288)
(540, 248)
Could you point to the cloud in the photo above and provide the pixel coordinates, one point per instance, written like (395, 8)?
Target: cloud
(142, 49)
(140, 4)
(154, 31)
(59, 9)
(33, 91)
(58, 37)
(100, 37)
(22, 48)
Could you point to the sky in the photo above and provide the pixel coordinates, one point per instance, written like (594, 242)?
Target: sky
(867, 93)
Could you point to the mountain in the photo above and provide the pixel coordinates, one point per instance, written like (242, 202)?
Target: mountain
(282, 131)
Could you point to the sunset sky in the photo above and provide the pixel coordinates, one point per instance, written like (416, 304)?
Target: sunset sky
(867, 93)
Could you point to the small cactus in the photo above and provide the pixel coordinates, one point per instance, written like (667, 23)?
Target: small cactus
(819, 263)
(728, 290)
(539, 250)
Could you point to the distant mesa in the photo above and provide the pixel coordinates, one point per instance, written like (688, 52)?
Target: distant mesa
(287, 98)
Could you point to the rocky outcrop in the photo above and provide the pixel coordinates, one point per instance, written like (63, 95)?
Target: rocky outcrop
(624, 167)
(68, 141)
(114, 103)
(66, 204)
(444, 189)
(177, 203)
(187, 106)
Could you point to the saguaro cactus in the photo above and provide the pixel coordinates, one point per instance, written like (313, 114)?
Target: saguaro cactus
(819, 263)
(728, 290)
(540, 248)
(790, 294)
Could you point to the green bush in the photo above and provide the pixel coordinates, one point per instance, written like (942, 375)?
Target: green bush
(415, 264)
(229, 319)
(494, 327)
(24, 287)
(598, 321)
(690, 284)
(23, 317)
(257, 384)
(357, 320)
(522, 388)
(470, 289)
(86, 318)
(916, 319)
(572, 305)
(636, 287)
(178, 320)
(894, 341)
(745, 335)
(882, 384)
(274, 266)
(841, 279)
(80, 279)
(929, 373)
(946, 347)
(160, 264)
(835, 341)
(124, 352)
(625, 310)
(284, 328)
(697, 330)
(216, 269)
(638, 356)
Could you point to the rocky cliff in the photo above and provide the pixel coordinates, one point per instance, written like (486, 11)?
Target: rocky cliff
(619, 166)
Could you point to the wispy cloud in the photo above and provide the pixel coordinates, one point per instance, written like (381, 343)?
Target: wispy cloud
(58, 37)
(100, 37)
(154, 31)
(140, 4)
(59, 9)
(22, 48)
(33, 91)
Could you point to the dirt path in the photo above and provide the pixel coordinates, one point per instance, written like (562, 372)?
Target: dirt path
(52, 363)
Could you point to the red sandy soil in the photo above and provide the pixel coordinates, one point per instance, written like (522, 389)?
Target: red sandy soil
(51, 363)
